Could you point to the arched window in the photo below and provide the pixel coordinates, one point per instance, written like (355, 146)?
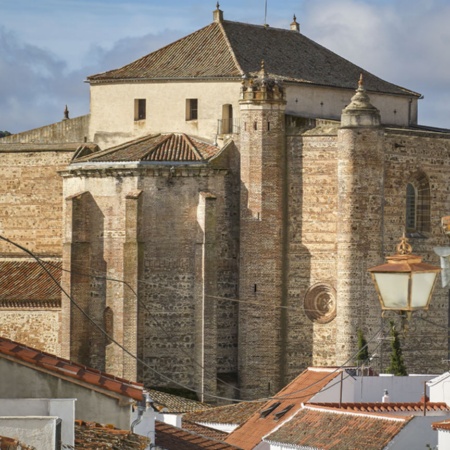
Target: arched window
(418, 205)
(411, 212)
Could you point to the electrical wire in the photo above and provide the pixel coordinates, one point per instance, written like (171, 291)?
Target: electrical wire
(283, 397)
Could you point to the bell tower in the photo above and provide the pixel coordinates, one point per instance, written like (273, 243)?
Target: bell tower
(262, 235)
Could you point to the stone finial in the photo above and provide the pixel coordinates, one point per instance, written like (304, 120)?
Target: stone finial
(262, 74)
(66, 113)
(295, 26)
(360, 112)
(218, 14)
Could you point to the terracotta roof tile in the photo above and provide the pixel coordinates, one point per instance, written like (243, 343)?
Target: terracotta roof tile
(175, 147)
(267, 418)
(62, 367)
(170, 437)
(26, 283)
(235, 414)
(175, 404)
(230, 49)
(337, 430)
(204, 431)
(7, 443)
(91, 435)
(444, 425)
(386, 407)
(202, 54)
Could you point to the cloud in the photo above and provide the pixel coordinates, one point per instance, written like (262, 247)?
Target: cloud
(35, 84)
(404, 45)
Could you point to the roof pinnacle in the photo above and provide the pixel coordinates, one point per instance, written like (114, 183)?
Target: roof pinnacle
(295, 26)
(218, 14)
(361, 81)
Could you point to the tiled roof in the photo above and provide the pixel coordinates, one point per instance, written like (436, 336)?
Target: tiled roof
(230, 49)
(64, 368)
(26, 283)
(161, 147)
(174, 404)
(92, 435)
(386, 407)
(444, 425)
(204, 431)
(7, 443)
(283, 406)
(170, 437)
(337, 430)
(234, 414)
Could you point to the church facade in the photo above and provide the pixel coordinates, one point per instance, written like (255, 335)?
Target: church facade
(214, 216)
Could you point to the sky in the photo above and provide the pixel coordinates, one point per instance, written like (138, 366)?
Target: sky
(49, 47)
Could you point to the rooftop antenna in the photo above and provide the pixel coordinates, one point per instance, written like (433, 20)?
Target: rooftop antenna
(265, 13)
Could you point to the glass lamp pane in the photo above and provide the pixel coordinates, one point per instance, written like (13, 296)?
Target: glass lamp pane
(422, 284)
(393, 288)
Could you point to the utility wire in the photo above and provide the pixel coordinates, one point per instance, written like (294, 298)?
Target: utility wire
(110, 337)
(283, 397)
(141, 303)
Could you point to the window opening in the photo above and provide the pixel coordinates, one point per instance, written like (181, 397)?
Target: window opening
(140, 109)
(191, 109)
(410, 207)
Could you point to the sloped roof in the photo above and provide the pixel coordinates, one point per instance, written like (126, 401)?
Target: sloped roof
(226, 49)
(282, 406)
(234, 414)
(176, 147)
(444, 425)
(175, 404)
(387, 407)
(204, 431)
(64, 368)
(26, 283)
(91, 435)
(170, 437)
(336, 430)
(7, 443)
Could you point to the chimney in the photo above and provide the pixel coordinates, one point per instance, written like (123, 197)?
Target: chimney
(295, 26)
(218, 14)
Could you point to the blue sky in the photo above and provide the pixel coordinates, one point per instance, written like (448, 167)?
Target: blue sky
(49, 47)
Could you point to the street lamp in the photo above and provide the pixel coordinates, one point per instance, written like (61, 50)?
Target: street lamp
(404, 283)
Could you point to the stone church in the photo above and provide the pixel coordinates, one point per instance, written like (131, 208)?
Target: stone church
(212, 219)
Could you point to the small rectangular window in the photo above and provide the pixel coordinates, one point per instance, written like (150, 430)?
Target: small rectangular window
(140, 108)
(191, 109)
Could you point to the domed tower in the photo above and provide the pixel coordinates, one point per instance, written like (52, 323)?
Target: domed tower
(262, 236)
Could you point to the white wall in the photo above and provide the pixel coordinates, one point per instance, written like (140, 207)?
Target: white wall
(325, 102)
(371, 388)
(38, 432)
(440, 389)
(112, 109)
(443, 439)
(61, 408)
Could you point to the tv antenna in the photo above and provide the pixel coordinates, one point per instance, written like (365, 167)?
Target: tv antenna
(265, 13)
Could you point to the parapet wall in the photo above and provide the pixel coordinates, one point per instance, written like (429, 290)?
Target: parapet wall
(69, 130)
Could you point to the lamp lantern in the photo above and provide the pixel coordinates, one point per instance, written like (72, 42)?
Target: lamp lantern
(404, 283)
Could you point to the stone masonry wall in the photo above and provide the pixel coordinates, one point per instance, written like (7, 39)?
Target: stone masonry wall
(313, 218)
(36, 328)
(31, 199)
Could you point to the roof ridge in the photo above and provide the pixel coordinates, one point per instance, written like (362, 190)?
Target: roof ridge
(227, 41)
(192, 146)
(381, 416)
(164, 139)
